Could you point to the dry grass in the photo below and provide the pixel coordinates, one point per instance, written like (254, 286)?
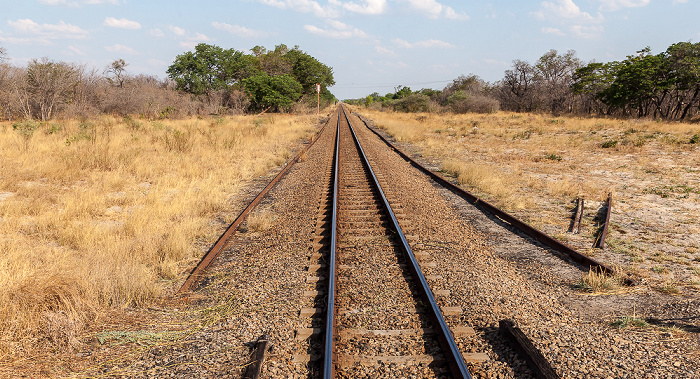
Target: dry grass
(108, 212)
(536, 165)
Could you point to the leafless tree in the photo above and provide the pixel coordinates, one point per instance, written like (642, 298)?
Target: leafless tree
(50, 84)
(116, 72)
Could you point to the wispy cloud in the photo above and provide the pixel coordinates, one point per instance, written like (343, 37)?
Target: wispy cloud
(304, 6)
(337, 30)
(156, 33)
(177, 31)
(238, 30)
(121, 23)
(423, 44)
(434, 9)
(43, 33)
(614, 5)
(570, 19)
(75, 50)
(385, 51)
(371, 7)
(77, 3)
(121, 49)
(554, 31)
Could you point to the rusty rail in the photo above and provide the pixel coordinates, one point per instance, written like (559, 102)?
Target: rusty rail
(505, 216)
(199, 270)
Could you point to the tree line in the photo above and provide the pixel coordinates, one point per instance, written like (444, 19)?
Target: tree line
(208, 80)
(662, 86)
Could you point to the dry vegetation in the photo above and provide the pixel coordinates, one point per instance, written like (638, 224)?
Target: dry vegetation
(535, 166)
(112, 212)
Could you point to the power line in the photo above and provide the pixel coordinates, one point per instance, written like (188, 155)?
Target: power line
(387, 85)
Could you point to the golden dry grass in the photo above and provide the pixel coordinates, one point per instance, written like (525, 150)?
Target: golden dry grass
(108, 212)
(535, 166)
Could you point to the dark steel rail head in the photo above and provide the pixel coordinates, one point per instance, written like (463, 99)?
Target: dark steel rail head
(329, 340)
(536, 234)
(451, 351)
(198, 271)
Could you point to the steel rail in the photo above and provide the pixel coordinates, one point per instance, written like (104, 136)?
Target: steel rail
(198, 271)
(507, 217)
(329, 340)
(450, 349)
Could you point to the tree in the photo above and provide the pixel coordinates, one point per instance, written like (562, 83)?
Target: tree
(268, 91)
(49, 85)
(308, 71)
(116, 72)
(210, 68)
(517, 89)
(554, 74)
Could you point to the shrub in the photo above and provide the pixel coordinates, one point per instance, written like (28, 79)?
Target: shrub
(413, 103)
(609, 144)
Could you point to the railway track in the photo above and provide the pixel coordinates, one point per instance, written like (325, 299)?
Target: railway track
(381, 317)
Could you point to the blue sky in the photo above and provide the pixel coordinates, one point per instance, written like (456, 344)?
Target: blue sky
(372, 45)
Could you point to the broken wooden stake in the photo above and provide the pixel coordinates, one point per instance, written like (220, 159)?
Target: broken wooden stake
(257, 358)
(600, 241)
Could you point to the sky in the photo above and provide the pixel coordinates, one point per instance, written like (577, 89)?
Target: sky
(372, 45)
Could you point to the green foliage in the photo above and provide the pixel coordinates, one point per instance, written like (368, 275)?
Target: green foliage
(268, 91)
(308, 71)
(26, 128)
(633, 321)
(553, 157)
(664, 86)
(609, 144)
(695, 139)
(87, 131)
(413, 103)
(209, 68)
(272, 79)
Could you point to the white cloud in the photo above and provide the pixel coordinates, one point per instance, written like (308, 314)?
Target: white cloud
(337, 30)
(570, 19)
(371, 7)
(156, 33)
(385, 51)
(238, 30)
(554, 31)
(564, 10)
(614, 5)
(679, 1)
(121, 49)
(77, 3)
(423, 44)
(434, 9)
(121, 23)
(44, 33)
(304, 6)
(587, 31)
(75, 50)
(177, 31)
